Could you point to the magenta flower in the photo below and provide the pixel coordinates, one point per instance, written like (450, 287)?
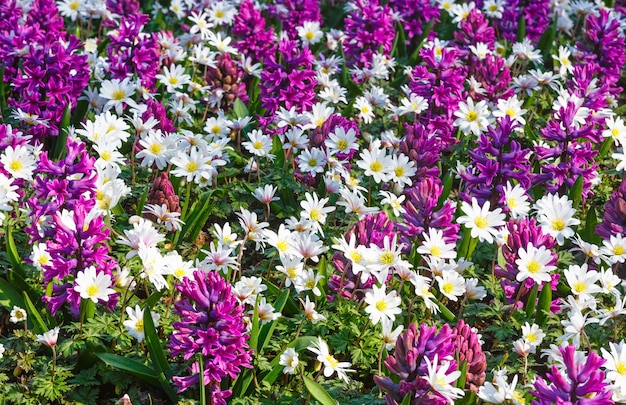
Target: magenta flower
(211, 324)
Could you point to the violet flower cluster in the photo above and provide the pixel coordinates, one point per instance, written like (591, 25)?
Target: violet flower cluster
(252, 38)
(408, 363)
(61, 219)
(579, 381)
(367, 28)
(211, 324)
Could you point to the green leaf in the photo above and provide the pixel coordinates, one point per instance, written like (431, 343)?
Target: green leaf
(133, 367)
(240, 109)
(532, 301)
(543, 308)
(576, 192)
(79, 112)
(590, 226)
(318, 392)
(60, 143)
(546, 43)
(407, 399)
(197, 217)
(445, 312)
(606, 146)
(268, 330)
(398, 49)
(460, 382)
(3, 97)
(201, 375)
(14, 257)
(38, 323)
(447, 181)
(157, 355)
(521, 28)
(8, 296)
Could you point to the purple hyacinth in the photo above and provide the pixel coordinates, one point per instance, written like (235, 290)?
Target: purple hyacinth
(614, 220)
(604, 45)
(495, 161)
(415, 16)
(134, 52)
(292, 13)
(367, 28)
(423, 148)
(475, 28)
(572, 156)
(579, 381)
(288, 78)
(536, 17)
(494, 76)
(469, 349)
(211, 324)
(420, 215)
(252, 39)
(408, 363)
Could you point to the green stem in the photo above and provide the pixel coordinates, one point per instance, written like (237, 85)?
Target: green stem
(202, 390)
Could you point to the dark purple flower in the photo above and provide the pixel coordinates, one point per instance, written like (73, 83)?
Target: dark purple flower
(415, 16)
(253, 39)
(292, 13)
(580, 381)
(423, 148)
(614, 220)
(225, 81)
(408, 363)
(211, 324)
(468, 349)
(367, 29)
(536, 17)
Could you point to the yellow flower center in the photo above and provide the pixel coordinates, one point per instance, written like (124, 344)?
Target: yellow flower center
(92, 290)
(435, 251)
(74, 5)
(173, 80)
(558, 224)
(309, 36)
(533, 266)
(332, 361)
(386, 258)
(179, 272)
(381, 305)
(219, 14)
(532, 338)
(216, 129)
(312, 162)
(315, 214)
(376, 166)
(119, 94)
(16, 165)
(472, 116)
(106, 155)
(191, 167)
(139, 325)
(620, 367)
(355, 256)
(579, 287)
(342, 144)
(257, 145)
(511, 202)
(447, 288)
(618, 250)
(399, 171)
(282, 245)
(481, 222)
(292, 273)
(155, 148)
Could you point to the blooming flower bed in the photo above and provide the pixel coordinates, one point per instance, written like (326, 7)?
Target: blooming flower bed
(314, 201)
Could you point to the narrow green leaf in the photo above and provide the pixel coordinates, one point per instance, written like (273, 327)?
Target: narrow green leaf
(521, 28)
(532, 301)
(157, 355)
(447, 181)
(201, 375)
(422, 40)
(590, 226)
(254, 332)
(318, 392)
(576, 193)
(543, 307)
(398, 50)
(291, 307)
(152, 300)
(14, 257)
(38, 323)
(3, 97)
(407, 399)
(133, 367)
(605, 148)
(8, 296)
(460, 382)
(79, 112)
(268, 330)
(60, 143)
(240, 109)
(445, 312)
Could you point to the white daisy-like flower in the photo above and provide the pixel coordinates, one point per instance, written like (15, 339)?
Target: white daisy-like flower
(481, 221)
(534, 263)
(555, 215)
(516, 200)
(382, 306)
(310, 32)
(134, 324)
(18, 161)
(434, 245)
(289, 360)
(376, 164)
(451, 284)
(472, 117)
(17, 315)
(92, 285)
(331, 364)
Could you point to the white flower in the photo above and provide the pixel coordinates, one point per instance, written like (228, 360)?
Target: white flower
(314, 210)
(18, 161)
(533, 334)
(49, 338)
(310, 313)
(615, 365)
(480, 220)
(341, 141)
(134, 323)
(92, 285)
(615, 129)
(312, 161)
(533, 263)
(581, 280)
(402, 169)
(472, 118)
(451, 284)
(393, 201)
(389, 334)
(434, 245)
(382, 306)
(310, 32)
(289, 359)
(376, 164)
(174, 77)
(18, 315)
(118, 93)
(555, 215)
(259, 143)
(565, 65)
(473, 291)
(365, 109)
(331, 364)
(516, 200)
(511, 107)
(614, 249)
(441, 381)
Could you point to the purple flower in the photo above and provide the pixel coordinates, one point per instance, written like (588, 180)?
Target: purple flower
(475, 28)
(292, 13)
(367, 28)
(288, 78)
(468, 349)
(580, 381)
(408, 364)
(211, 324)
(536, 17)
(226, 83)
(415, 17)
(495, 161)
(423, 148)
(421, 213)
(253, 39)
